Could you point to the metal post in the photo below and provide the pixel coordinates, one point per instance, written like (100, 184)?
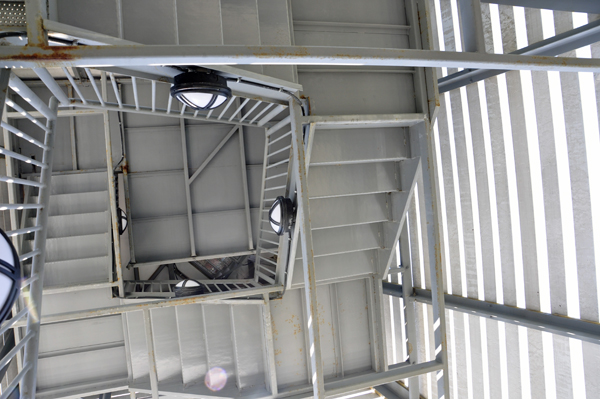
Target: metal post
(269, 351)
(73, 135)
(472, 25)
(36, 13)
(310, 283)
(112, 194)
(422, 143)
(151, 354)
(187, 181)
(37, 267)
(409, 311)
(245, 187)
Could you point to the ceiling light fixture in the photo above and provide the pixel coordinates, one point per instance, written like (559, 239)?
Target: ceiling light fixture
(122, 220)
(281, 215)
(188, 288)
(10, 275)
(201, 91)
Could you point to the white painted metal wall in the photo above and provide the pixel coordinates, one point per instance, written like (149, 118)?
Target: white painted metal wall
(517, 156)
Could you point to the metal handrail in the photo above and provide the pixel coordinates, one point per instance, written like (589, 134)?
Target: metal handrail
(32, 285)
(274, 183)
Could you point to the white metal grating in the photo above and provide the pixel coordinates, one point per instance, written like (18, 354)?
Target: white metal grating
(12, 13)
(519, 204)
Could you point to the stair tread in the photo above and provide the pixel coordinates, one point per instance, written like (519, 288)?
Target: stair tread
(76, 271)
(76, 247)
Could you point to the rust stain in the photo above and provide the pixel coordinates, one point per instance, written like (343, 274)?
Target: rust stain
(50, 53)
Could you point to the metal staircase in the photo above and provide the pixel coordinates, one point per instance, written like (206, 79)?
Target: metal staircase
(78, 242)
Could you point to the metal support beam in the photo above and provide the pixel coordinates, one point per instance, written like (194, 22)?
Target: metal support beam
(559, 44)
(410, 170)
(269, 351)
(422, 144)
(29, 57)
(213, 153)
(471, 25)
(560, 325)
(412, 343)
(151, 354)
(310, 285)
(587, 6)
(112, 194)
(35, 15)
(112, 310)
(188, 181)
(245, 187)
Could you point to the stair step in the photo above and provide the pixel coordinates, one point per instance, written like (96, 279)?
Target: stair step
(77, 224)
(78, 182)
(348, 146)
(136, 334)
(246, 325)
(75, 203)
(346, 211)
(77, 247)
(356, 179)
(218, 337)
(166, 344)
(192, 341)
(346, 239)
(327, 268)
(76, 271)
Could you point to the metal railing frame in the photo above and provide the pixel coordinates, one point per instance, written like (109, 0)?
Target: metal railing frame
(32, 286)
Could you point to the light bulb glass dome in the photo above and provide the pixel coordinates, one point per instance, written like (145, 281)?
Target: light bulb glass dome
(201, 100)
(10, 276)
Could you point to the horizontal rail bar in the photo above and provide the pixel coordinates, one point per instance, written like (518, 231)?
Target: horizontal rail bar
(9, 323)
(272, 114)
(19, 133)
(148, 111)
(78, 287)
(278, 163)
(27, 230)
(276, 176)
(275, 188)
(266, 278)
(556, 45)
(280, 151)
(11, 387)
(112, 310)
(279, 125)
(270, 242)
(28, 95)
(556, 324)
(18, 207)
(29, 255)
(237, 111)
(28, 115)
(30, 280)
(24, 182)
(280, 138)
(270, 261)
(123, 55)
(251, 110)
(6, 359)
(20, 157)
(262, 111)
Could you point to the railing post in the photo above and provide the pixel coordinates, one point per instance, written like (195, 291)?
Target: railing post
(37, 269)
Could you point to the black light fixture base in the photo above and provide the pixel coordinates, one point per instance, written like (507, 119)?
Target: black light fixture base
(190, 84)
